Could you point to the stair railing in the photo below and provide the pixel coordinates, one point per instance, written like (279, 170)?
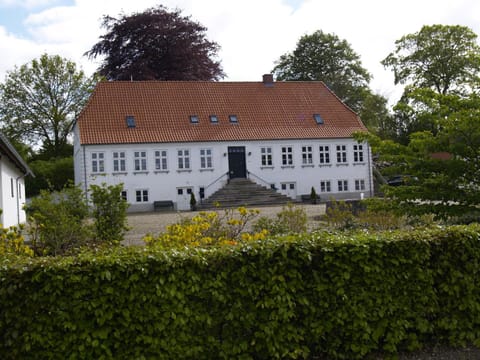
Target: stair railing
(262, 181)
(214, 182)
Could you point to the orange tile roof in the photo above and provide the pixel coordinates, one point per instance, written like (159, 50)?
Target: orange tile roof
(162, 111)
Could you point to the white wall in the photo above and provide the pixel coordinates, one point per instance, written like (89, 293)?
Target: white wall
(11, 200)
(163, 185)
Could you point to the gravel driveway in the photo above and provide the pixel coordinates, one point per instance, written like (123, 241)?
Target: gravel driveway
(156, 222)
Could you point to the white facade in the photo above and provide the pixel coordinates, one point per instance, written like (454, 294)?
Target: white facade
(12, 193)
(338, 168)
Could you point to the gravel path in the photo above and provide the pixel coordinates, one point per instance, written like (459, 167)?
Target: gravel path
(155, 223)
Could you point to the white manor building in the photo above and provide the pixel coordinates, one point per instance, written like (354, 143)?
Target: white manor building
(165, 139)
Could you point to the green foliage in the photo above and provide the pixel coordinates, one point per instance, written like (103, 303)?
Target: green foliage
(193, 201)
(40, 101)
(290, 220)
(312, 296)
(109, 213)
(57, 221)
(52, 174)
(313, 196)
(339, 215)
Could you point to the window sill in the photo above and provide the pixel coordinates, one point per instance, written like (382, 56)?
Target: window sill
(325, 165)
(359, 163)
(203, 170)
(342, 164)
(161, 171)
(308, 166)
(98, 174)
(267, 167)
(140, 172)
(119, 173)
(288, 167)
(184, 171)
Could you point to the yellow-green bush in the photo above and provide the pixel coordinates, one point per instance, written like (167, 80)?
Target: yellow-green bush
(13, 242)
(209, 229)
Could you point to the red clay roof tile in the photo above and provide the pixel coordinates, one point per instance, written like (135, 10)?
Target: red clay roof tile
(162, 112)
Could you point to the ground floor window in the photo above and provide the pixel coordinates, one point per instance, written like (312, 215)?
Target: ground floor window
(141, 195)
(359, 184)
(325, 186)
(123, 195)
(342, 185)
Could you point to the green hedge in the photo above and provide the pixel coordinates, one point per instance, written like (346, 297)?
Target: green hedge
(339, 296)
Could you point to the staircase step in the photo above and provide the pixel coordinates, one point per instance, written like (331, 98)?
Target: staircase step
(244, 192)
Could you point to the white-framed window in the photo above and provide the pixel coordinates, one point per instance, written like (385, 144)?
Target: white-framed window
(307, 155)
(183, 157)
(287, 155)
(19, 190)
(358, 153)
(325, 186)
(359, 185)
(12, 188)
(140, 160)
(98, 162)
(206, 161)
(341, 154)
(124, 195)
(141, 195)
(161, 162)
(266, 153)
(119, 164)
(324, 151)
(342, 185)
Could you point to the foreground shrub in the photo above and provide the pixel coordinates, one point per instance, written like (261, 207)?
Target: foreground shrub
(208, 229)
(57, 221)
(13, 242)
(291, 219)
(109, 212)
(322, 295)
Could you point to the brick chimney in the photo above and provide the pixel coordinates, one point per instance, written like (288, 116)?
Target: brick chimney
(268, 80)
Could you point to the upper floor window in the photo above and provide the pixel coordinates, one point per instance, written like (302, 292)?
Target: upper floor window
(140, 160)
(287, 155)
(98, 162)
(161, 160)
(358, 153)
(183, 156)
(307, 155)
(194, 119)
(213, 118)
(324, 154)
(119, 161)
(206, 159)
(233, 118)
(341, 153)
(266, 153)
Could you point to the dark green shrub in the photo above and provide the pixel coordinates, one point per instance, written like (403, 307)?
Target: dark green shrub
(291, 219)
(109, 212)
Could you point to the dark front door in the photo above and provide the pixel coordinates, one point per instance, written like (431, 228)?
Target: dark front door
(236, 162)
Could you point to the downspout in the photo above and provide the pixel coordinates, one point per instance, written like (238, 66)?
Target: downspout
(370, 170)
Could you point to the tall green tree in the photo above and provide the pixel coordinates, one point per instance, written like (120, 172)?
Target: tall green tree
(445, 58)
(40, 100)
(156, 44)
(325, 57)
(443, 167)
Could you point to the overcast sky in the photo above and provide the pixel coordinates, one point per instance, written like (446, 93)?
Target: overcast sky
(252, 33)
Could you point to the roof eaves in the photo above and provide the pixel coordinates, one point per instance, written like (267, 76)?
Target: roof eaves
(14, 156)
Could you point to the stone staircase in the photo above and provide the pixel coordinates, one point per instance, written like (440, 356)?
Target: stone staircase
(244, 192)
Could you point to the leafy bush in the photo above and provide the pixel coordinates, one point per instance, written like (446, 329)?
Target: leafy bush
(291, 219)
(208, 229)
(109, 213)
(57, 222)
(339, 215)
